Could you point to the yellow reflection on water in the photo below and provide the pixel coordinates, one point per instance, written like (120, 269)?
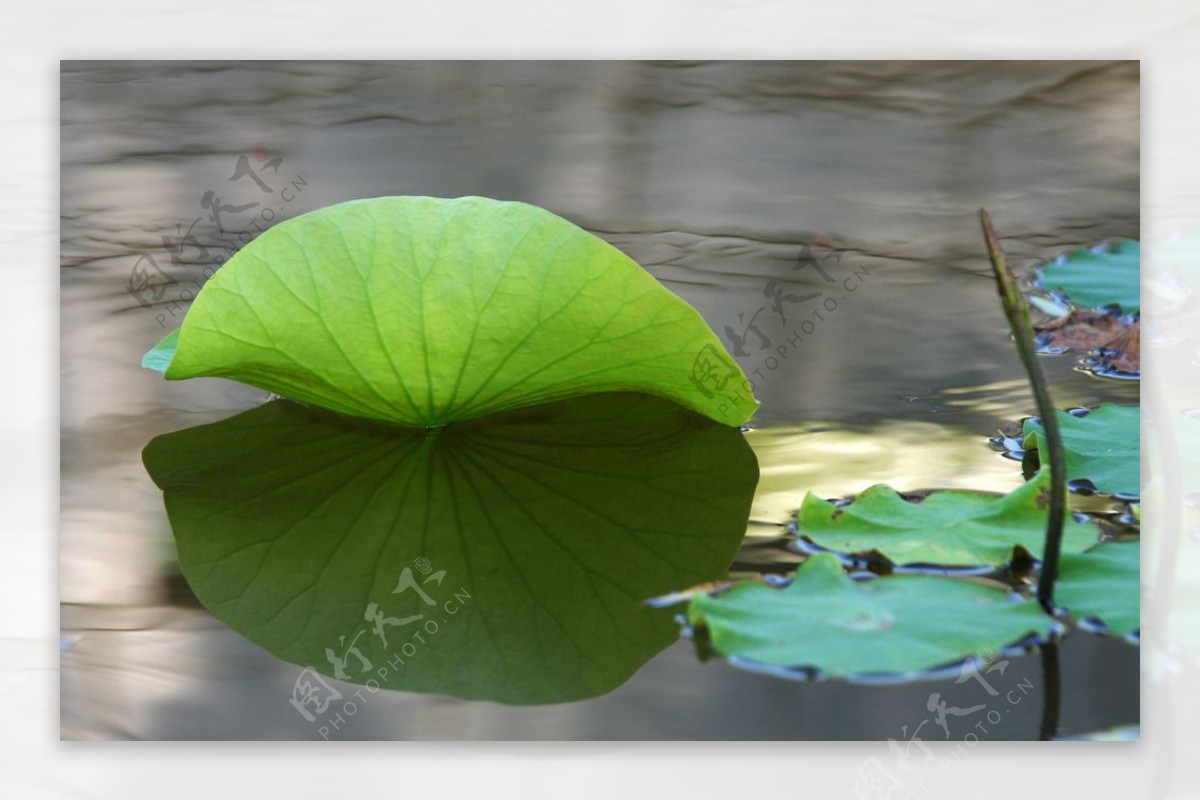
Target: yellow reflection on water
(834, 461)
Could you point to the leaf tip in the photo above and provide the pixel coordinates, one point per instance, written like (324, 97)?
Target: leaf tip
(159, 357)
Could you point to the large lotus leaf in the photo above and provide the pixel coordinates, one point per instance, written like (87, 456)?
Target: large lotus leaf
(424, 311)
(1104, 584)
(948, 527)
(826, 621)
(543, 531)
(1102, 446)
(1099, 276)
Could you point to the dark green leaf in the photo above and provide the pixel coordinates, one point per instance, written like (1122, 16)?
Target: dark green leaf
(557, 522)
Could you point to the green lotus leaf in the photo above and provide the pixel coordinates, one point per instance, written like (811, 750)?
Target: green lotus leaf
(425, 311)
(826, 621)
(1104, 584)
(958, 528)
(1099, 276)
(506, 559)
(1102, 446)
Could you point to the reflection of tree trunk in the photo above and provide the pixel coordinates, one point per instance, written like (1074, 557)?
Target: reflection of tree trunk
(1051, 691)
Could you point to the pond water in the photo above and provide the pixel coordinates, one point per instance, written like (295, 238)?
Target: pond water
(716, 177)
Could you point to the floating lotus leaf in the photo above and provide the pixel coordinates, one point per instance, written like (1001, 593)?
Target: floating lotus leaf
(1103, 584)
(424, 311)
(959, 528)
(1109, 274)
(826, 621)
(1103, 447)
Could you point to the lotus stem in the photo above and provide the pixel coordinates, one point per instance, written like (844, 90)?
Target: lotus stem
(1016, 309)
(1051, 691)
